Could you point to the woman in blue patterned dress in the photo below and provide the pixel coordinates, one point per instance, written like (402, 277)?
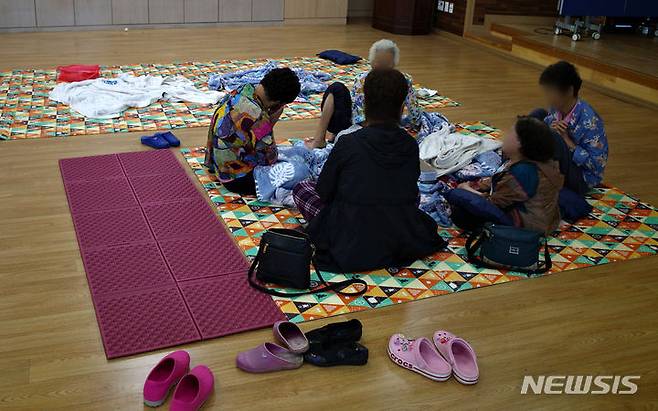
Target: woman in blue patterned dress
(341, 108)
(582, 144)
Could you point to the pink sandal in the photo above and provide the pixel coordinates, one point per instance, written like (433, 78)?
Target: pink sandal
(193, 390)
(420, 356)
(164, 376)
(460, 355)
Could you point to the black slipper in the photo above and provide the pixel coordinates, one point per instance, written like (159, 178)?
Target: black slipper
(346, 331)
(346, 353)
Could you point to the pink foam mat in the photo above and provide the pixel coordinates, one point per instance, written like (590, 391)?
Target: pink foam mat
(161, 267)
(100, 195)
(113, 227)
(182, 256)
(182, 218)
(144, 163)
(90, 168)
(145, 320)
(125, 268)
(163, 188)
(219, 307)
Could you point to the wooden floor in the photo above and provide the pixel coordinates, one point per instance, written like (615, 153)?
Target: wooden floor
(597, 321)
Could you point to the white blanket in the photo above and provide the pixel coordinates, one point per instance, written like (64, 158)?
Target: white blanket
(448, 152)
(107, 98)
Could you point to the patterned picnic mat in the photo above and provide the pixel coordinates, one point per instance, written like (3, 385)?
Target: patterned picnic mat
(27, 112)
(620, 227)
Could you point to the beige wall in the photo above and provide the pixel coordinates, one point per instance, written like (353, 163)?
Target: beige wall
(34, 15)
(315, 11)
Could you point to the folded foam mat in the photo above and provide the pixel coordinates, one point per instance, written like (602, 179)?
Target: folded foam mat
(182, 256)
(161, 267)
(219, 306)
(620, 227)
(111, 194)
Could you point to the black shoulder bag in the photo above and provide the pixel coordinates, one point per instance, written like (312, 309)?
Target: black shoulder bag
(518, 249)
(284, 258)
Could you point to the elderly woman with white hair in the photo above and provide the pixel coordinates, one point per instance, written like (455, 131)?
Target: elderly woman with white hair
(342, 108)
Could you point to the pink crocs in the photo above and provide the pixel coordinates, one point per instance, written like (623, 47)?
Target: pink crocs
(420, 356)
(193, 390)
(164, 376)
(460, 355)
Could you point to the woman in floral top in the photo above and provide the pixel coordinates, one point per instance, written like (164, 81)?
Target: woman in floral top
(341, 107)
(241, 131)
(582, 144)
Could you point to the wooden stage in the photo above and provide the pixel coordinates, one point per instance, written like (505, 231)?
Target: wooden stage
(623, 63)
(596, 321)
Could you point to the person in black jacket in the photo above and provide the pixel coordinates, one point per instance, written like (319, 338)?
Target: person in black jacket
(362, 213)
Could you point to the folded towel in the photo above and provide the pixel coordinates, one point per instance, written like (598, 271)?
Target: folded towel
(448, 152)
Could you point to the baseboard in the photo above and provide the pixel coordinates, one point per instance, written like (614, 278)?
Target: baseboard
(321, 20)
(116, 27)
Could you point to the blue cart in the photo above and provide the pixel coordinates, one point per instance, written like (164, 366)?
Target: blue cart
(607, 8)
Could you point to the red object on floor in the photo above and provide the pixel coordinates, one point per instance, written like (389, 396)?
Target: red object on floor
(78, 72)
(161, 268)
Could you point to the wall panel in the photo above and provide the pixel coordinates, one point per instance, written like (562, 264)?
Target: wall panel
(201, 11)
(235, 10)
(93, 12)
(267, 10)
(17, 13)
(166, 11)
(54, 13)
(130, 11)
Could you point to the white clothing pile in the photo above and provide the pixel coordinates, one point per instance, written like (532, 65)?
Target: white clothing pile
(107, 98)
(448, 152)
(426, 92)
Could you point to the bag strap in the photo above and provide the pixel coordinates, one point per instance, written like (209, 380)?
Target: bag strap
(547, 264)
(474, 243)
(336, 287)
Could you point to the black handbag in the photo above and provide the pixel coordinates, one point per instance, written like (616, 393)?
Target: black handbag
(518, 249)
(285, 258)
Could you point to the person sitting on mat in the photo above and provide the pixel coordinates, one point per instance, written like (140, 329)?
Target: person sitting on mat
(362, 213)
(342, 108)
(582, 145)
(241, 130)
(524, 193)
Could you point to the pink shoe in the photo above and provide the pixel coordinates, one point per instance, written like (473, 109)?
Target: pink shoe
(193, 390)
(268, 357)
(460, 355)
(290, 336)
(164, 376)
(420, 356)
